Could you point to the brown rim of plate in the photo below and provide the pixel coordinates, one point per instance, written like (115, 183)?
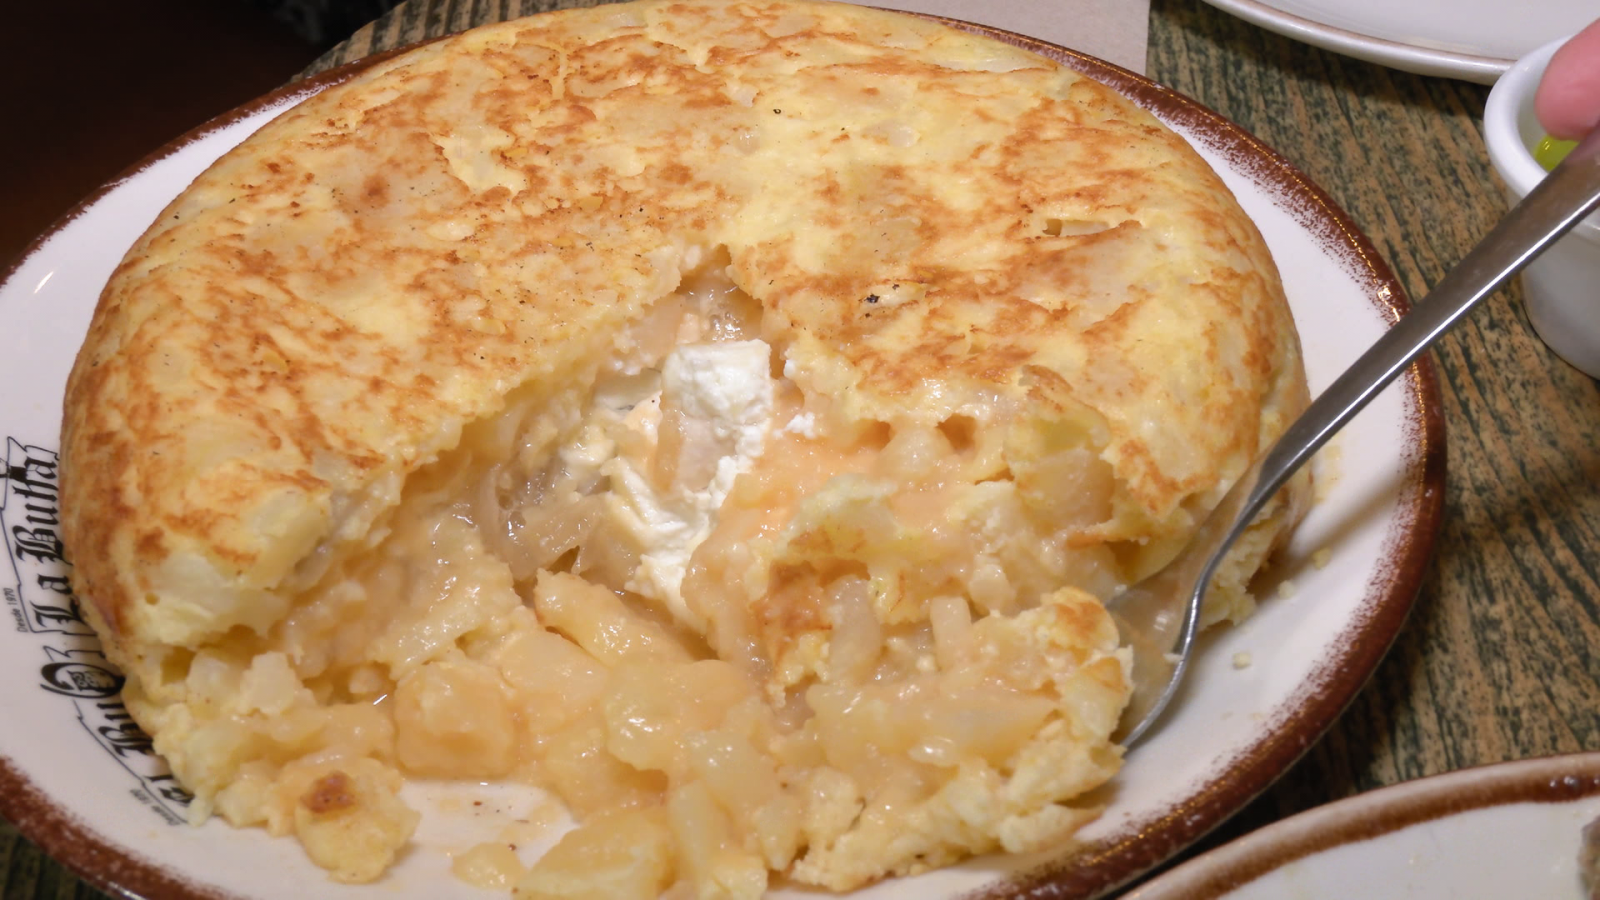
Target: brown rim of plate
(1093, 869)
(1549, 779)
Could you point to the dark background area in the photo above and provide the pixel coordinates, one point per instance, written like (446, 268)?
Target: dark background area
(89, 88)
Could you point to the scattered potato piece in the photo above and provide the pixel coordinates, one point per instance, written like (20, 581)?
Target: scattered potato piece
(620, 855)
(352, 822)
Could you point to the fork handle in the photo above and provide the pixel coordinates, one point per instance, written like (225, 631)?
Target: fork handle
(1551, 209)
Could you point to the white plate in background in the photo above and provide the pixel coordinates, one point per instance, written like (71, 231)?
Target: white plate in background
(1486, 833)
(1475, 40)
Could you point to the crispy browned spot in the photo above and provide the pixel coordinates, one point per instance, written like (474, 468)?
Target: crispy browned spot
(330, 793)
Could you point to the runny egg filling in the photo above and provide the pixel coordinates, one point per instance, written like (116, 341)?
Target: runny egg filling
(735, 632)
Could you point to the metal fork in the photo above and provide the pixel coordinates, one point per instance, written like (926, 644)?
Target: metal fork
(1160, 615)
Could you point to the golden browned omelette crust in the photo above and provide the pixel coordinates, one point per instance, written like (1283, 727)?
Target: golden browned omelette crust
(937, 228)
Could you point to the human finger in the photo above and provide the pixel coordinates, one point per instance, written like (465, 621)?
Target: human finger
(1568, 99)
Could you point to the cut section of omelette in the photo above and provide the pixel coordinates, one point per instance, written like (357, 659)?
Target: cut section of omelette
(729, 416)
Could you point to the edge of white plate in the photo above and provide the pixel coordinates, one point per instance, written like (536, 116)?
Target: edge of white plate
(1384, 52)
(1212, 875)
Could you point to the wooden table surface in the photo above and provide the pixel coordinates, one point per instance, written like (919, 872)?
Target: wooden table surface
(1501, 657)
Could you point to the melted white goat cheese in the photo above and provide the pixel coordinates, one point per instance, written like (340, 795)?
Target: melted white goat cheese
(725, 392)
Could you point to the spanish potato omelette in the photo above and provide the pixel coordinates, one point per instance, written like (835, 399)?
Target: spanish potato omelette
(730, 416)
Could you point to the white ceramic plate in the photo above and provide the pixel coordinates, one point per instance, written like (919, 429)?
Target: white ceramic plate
(1472, 39)
(79, 777)
(1508, 830)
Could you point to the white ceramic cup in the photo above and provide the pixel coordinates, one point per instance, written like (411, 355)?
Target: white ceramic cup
(1561, 288)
